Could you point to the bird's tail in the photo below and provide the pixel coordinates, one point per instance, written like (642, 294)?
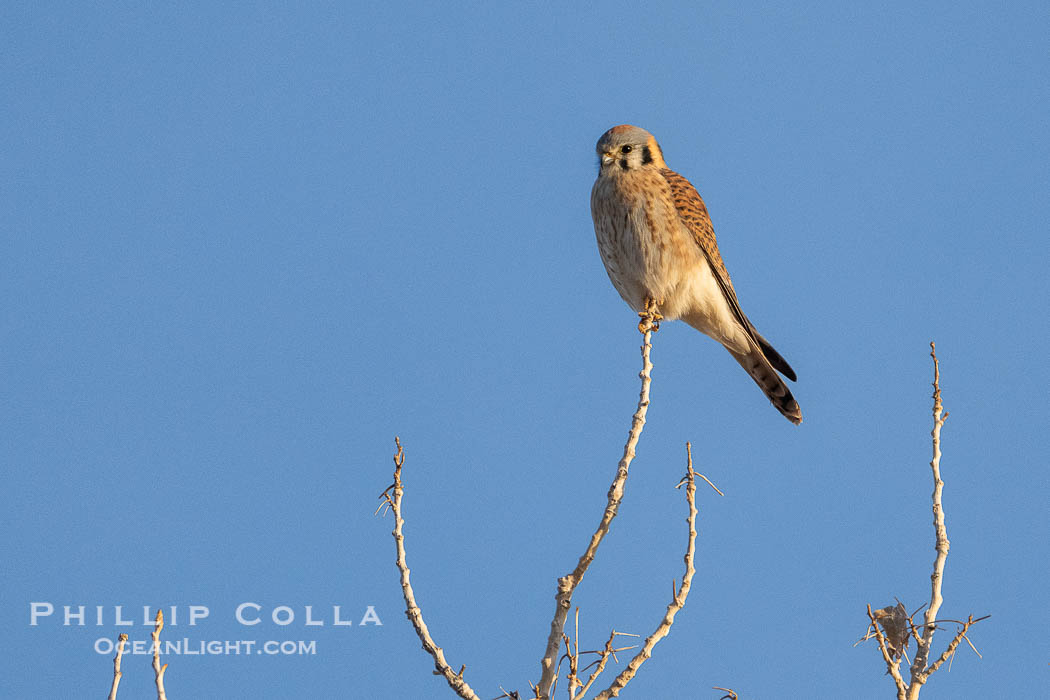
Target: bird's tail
(761, 370)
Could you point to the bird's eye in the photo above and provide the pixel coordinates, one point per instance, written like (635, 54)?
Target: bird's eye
(625, 149)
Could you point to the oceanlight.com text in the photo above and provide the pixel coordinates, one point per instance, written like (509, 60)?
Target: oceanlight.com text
(213, 647)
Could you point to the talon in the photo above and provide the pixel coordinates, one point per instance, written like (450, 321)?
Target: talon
(650, 317)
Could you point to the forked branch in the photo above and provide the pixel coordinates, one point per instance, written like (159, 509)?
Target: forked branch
(391, 498)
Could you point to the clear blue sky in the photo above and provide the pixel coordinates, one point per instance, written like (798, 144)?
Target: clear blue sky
(245, 246)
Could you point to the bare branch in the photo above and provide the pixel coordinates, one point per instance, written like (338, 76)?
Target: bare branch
(678, 600)
(941, 543)
(117, 675)
(158, 670)
(961, 635)
(567, 584)
(893, 618)
(602, 660)
(572, 679)
(415, 615)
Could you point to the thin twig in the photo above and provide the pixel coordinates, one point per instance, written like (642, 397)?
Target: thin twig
(677, 601)
(961, 635)
(567, 584)
(117, 675)
(709, 483)
(571, 679)
(415, 615)
(602, 660)
(158, 670)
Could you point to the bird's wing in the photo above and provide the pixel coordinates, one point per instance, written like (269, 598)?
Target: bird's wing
(693, 214)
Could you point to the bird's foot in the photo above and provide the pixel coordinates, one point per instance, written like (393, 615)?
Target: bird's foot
(650, 317)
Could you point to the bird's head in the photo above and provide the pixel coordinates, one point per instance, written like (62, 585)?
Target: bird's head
(626, 147)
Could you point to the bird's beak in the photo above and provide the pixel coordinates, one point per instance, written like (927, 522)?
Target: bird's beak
(607, 157)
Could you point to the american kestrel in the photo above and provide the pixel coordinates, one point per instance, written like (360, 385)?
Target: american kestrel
(657, 243)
